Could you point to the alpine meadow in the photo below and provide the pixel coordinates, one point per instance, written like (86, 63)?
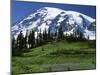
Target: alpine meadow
(53, 39)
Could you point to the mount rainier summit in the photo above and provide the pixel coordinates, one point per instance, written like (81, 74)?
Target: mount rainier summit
(49, 18)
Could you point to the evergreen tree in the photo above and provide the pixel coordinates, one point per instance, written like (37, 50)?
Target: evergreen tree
(48, 35)
(32, 39)
(60, 32)
(37, 39)
(26, 39)
(14, 51)
(88, 37)
(17, 45)
(56, 35)
(40, 37)
(13, 43)
(45, 35)
(81, 35)
(20, 41)
(78, 33)
(25, 42)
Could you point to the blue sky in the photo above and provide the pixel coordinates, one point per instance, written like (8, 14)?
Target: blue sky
(20, 9)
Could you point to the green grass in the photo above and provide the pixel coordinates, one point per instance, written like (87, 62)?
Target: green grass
(56, 56)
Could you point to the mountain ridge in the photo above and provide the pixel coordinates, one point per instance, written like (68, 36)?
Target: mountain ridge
(51, 18)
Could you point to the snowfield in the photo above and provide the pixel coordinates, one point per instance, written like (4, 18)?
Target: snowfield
(51, 18)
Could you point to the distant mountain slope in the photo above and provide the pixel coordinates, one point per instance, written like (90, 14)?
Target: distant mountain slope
(51, 18)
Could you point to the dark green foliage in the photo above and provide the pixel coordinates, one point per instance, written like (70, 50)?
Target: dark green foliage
(60, 33)
(25, 41)
(40, 38)
(18, 45)
(31, 39)
(27, 69)
(68, 69)
(37, 40)
(48, 35)
(14, 47)
(42, 49)
(20, 41)
(66, 52)
(13, 43)
(92, 43)
(45, 35)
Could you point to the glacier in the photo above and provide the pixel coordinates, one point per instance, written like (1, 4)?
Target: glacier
(51, 18)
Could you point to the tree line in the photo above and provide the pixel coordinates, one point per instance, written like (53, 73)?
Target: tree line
(30, 40)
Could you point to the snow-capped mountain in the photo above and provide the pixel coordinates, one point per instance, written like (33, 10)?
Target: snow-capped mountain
(51, 18)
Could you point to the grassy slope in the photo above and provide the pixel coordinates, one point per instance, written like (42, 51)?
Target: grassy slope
(51, 57)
